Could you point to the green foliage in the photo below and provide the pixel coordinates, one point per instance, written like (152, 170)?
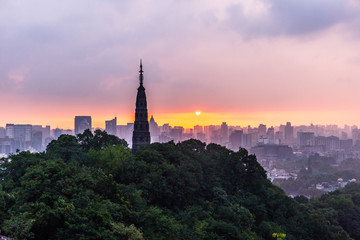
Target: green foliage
(126, 232)
(99, 140)
(92, 187)
(279, 236)
(19, 226)
(65, 148)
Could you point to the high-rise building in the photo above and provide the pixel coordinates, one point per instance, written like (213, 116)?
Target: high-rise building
(7, 145)
(236, 139)
(57, 133)
(125, 132)
(224, 133)
(22, 135)
(289, 132)
(165, 128)
(141, 134)
(37, 137)
(110, 126)
(198, 129)
(46, 135)
(201, 136)
(82, 123)
(2, 132)
(346, 144)
(154, 130)
(306, 139)
(278, 137)
(10, 130)
(271, 134)
(331, 143)
(176, 133)
(355, 132)
(262, 130)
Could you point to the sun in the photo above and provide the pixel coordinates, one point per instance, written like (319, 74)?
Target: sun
(197, 113)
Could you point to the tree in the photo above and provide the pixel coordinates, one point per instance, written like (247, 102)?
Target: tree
(99, 140)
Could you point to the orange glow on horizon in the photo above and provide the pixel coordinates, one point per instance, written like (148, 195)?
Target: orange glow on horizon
(189, 119)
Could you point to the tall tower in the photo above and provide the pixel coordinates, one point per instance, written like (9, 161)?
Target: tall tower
(141, 134)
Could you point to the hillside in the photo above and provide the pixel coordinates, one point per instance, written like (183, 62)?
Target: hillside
(92, 187)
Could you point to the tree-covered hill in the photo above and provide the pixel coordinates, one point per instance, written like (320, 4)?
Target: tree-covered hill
(92, 187)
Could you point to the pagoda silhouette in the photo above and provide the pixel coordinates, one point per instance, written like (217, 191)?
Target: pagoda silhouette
(141, 134)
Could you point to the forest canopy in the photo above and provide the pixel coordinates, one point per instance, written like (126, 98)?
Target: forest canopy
(92, 187)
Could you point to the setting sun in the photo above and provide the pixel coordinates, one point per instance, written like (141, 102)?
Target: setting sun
(197, 113)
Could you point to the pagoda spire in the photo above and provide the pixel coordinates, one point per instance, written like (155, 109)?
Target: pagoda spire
(141, 76)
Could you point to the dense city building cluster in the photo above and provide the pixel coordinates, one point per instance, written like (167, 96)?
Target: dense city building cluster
(279, 142)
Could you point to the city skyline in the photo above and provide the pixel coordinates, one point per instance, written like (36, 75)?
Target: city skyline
(286, 138)
(181, 119)
(244, 62)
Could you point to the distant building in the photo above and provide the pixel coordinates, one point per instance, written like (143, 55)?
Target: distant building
(187, 134)
(344, 136)
(154, 130)
(2, 132)
(279, 136)
(272, 152)
(110, 126)
(7, 145)
(10, 130)
(37, 138)
(46, 135)
(164, 138)
(125, 132)
(82, 123)
(40, 137)
(166, 128)
(346, 145)
(236, 139)
(262, 130)
(20, 134)
(271, 134)
(201, 136)
(198, 129)
(177, 133)
(289, 132)
(355, 132)
(224, 133)
(247, 140)
(306, 139)
(213, 133)
(282, 130)
(68, 132)
(57, 132)
(331, 143)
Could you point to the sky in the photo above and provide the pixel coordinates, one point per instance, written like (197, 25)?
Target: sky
(240, 61)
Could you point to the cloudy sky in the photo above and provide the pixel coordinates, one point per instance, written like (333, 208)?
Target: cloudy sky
(240, 61)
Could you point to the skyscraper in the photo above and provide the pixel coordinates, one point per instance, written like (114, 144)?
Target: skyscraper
(236, 139)
(82, 123)
(271, 134)
(224, 133)
(289, 132)
(154, 130)
(110, 126)
(262, 130)
(141, 134)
